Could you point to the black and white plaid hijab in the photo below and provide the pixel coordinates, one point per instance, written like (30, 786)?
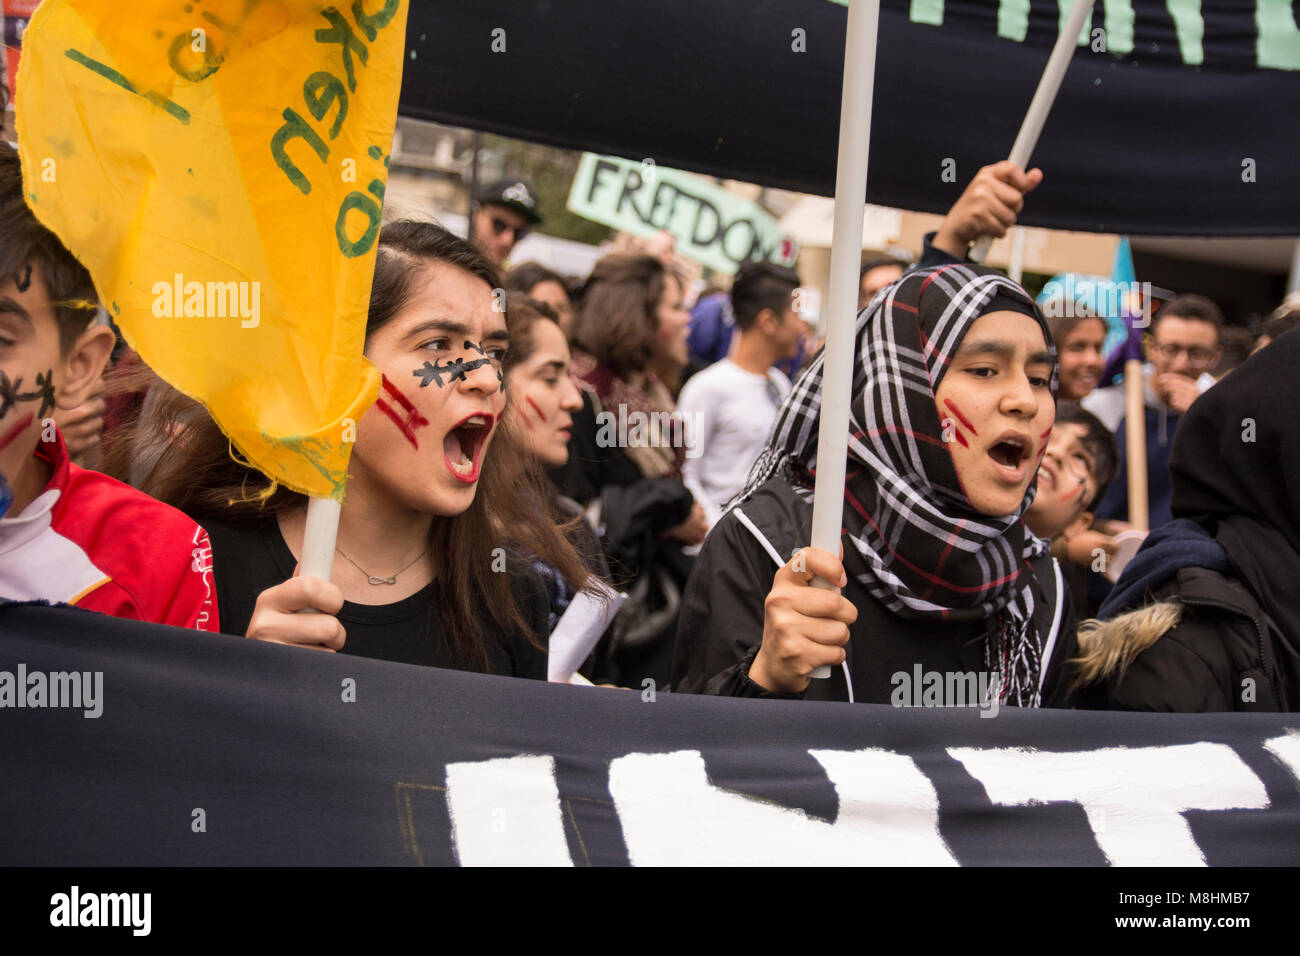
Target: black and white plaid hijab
(917, 544)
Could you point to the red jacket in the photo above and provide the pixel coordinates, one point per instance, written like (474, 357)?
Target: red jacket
(96, 543)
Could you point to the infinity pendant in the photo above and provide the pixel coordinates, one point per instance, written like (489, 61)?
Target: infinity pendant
(375, 580)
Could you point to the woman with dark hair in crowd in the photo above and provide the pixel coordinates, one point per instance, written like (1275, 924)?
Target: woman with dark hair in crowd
(438, 525)
(1080, 337)
(544, 285)
(628, 446)
(952, 405)
(1206, 617)
(542, 402)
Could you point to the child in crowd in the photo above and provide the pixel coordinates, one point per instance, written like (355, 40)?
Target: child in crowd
(439, 509)
(70, 535)
(953, 401)
(1080, 462)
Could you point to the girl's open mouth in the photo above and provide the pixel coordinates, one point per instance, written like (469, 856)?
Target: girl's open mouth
(464, 442)
(1009, 455)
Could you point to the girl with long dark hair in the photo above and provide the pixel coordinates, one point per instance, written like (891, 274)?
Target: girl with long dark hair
(435, 538)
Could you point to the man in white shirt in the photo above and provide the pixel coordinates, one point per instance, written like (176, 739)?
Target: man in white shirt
(730, 406)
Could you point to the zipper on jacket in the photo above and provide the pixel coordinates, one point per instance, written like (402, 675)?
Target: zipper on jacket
(1259, 631)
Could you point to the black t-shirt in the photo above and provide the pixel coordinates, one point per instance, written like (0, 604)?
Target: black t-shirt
(246, 560)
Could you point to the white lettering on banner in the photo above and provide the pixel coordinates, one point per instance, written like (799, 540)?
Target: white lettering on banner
(1287, 749)
(1134, 797)
(673, 815)
(506, 812)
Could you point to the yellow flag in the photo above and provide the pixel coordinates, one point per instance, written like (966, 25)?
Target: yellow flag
(219, 167)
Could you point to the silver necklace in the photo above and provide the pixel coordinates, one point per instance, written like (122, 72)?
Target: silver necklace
(373, 579)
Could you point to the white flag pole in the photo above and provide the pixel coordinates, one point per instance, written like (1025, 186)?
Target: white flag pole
(1016, 268)
(319, 538)
(846, 258)
(1044, 96)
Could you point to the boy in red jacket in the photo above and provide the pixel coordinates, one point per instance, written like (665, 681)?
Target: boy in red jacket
(67, 534)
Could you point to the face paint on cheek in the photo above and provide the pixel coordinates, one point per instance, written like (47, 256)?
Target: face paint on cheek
(407, 423)
(10, 394)
(45, 391)
(1043, 438)
(455, 370)
(960, 417)
(18, 428)
(540, 417)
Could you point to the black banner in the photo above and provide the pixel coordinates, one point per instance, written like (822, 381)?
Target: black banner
(1173, 119)
(176, 747)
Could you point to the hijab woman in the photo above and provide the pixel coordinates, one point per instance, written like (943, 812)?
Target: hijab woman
(953, 403)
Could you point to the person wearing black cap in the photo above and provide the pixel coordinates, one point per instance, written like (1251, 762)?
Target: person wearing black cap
(503, 214)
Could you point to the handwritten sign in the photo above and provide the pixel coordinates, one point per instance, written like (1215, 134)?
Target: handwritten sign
(711, 226)
(220, 170)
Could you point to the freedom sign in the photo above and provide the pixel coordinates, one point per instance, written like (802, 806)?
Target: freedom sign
(711, 225)
(217, 750)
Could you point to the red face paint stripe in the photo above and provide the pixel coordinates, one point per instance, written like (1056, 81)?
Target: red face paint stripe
(413, 419)
(397, 395)
(398, 421)
(960, 417)
(15, 431)
(960, 440)
(529, 400)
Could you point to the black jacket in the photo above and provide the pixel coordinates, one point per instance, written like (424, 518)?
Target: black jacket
(634, 511)
(1223, 654)
(721, 625)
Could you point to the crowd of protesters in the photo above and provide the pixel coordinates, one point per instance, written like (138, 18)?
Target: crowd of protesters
(600, 431)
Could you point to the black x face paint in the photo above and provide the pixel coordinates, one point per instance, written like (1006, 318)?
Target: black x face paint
(455, 370)
(475, 346)
(10, 393)
(25, 282)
